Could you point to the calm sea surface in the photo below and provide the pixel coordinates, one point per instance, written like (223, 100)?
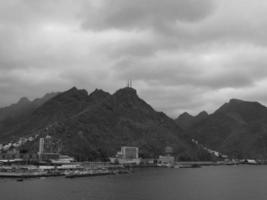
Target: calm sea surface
(207, 183)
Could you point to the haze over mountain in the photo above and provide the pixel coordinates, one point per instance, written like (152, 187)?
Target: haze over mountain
(23, 107)
(95, 126)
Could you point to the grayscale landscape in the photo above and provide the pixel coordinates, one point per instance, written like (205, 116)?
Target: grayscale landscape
(133, 100)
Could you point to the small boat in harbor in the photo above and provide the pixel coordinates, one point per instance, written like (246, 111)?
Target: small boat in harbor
(86, 173)
(94, 172)
(22, 174)
(187, 166)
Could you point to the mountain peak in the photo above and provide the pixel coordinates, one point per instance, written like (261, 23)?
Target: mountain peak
(245, 110)
(239, 101)
(126, 90)
(202, 114)
(235, 104)
(99, 94)
(126, 93)
(185, 116)
(236, 101)
(73, 89)
(24, 100)
(74, 92)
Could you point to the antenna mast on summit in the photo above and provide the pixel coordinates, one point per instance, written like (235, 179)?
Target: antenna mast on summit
(130, 83)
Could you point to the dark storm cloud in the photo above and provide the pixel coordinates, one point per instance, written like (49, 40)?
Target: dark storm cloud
(183, 55)
(195, 70)
(23, 12)
(143, 14)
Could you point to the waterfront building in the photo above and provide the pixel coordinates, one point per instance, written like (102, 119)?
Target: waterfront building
(41, 146)
(148, 161)
(168, 150)
(48, 149)
(129, 152)
(15, 155)
(9, 155)
(127, 156)
(250, 161)
(168, 159)
(49, 156)
(62, 159)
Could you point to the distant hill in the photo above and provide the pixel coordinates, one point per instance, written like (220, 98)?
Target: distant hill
(15, 114)
(238, 128)
(95, 126)
(23, 107)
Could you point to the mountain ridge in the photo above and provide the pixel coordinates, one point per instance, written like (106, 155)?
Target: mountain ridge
(94, 126)
(237, 128)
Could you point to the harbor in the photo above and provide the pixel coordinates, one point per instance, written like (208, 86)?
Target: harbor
(49, 162)
(69, 171)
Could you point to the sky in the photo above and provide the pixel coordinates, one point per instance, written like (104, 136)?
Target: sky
(182, 55)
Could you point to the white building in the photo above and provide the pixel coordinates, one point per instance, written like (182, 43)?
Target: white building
(63, 159)
(127, 155)
(167, 161)
(41, 146)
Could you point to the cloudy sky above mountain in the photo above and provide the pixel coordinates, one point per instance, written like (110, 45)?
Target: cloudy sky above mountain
(183, 55)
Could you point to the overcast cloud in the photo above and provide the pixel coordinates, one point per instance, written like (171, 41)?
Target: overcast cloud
(183, 55)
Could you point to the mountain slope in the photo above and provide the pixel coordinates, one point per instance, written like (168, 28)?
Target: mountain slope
(238, 128)
(15, 114)
(55, 110)
(23, 107)
(122, 119)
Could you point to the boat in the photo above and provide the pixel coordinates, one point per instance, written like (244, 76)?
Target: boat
(187, 166)
(94, 172)
(86, 173)
(22, 174)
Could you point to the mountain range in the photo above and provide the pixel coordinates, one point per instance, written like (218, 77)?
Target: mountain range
(94, 126)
